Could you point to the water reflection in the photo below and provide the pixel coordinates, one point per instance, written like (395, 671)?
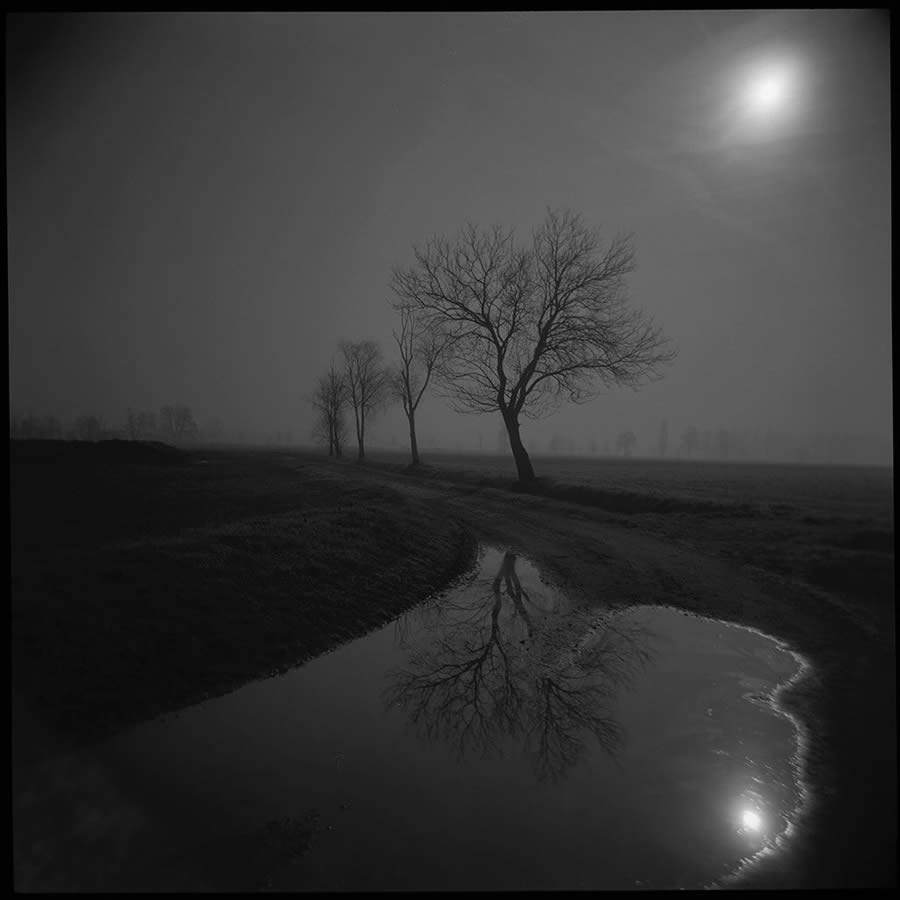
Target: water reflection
(501, 666)
(493, 665)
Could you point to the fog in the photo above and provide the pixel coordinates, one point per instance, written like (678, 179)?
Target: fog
(201, 206)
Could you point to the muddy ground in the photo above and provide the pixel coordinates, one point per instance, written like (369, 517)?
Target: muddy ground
(712, 564)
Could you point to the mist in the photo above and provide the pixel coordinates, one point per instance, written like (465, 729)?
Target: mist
(202, 206)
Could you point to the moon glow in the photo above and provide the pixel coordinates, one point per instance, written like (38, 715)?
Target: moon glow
(769, 91)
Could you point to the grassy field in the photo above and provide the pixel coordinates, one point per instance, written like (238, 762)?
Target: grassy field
(138, 589)
(814, 490)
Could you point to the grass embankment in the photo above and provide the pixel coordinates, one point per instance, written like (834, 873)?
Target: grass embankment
(140, 589)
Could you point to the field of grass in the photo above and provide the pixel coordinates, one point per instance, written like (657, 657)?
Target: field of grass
(138, 589)
(813, 490)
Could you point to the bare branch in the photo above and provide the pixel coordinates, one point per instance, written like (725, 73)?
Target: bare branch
(529, 327)
(368, 384)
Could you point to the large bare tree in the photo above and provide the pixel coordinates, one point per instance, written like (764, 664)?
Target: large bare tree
(367, 384)
(531, 326)
(420, 350)
(328, 400)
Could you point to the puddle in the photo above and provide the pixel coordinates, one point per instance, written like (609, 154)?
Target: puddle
(495, 738)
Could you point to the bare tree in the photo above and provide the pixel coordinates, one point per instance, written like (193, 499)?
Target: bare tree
(176, 423)
(420, 351)
(185, 426)
(367, 384)
(531, 326)
(139, 426)
(328, 400)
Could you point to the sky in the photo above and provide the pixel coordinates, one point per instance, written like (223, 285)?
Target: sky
(200, 206)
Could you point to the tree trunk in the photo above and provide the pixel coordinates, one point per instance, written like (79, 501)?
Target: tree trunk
(361, 438)
(520, 454)
(413, 446)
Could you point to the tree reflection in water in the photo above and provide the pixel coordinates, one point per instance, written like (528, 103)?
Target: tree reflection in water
(490, 670)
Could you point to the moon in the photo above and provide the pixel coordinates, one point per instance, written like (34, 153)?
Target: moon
(769, 91)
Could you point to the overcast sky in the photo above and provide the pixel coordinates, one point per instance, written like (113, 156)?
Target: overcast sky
(200, 206)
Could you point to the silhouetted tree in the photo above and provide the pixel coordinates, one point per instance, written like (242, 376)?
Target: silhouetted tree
(367, 384)
(176, 423)
(663, 437)
(420, 350)
(531, 326)
(328, 400)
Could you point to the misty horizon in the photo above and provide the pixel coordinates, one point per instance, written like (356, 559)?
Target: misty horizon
(201, 206)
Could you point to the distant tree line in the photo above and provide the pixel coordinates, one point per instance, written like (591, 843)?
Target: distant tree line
(173, 423)
(359, 384)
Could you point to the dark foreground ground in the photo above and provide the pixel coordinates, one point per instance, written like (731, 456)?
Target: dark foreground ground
(141, 587)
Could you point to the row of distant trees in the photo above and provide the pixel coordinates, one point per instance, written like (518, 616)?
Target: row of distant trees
(360, 383)
(173, 424)
(501, 326)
